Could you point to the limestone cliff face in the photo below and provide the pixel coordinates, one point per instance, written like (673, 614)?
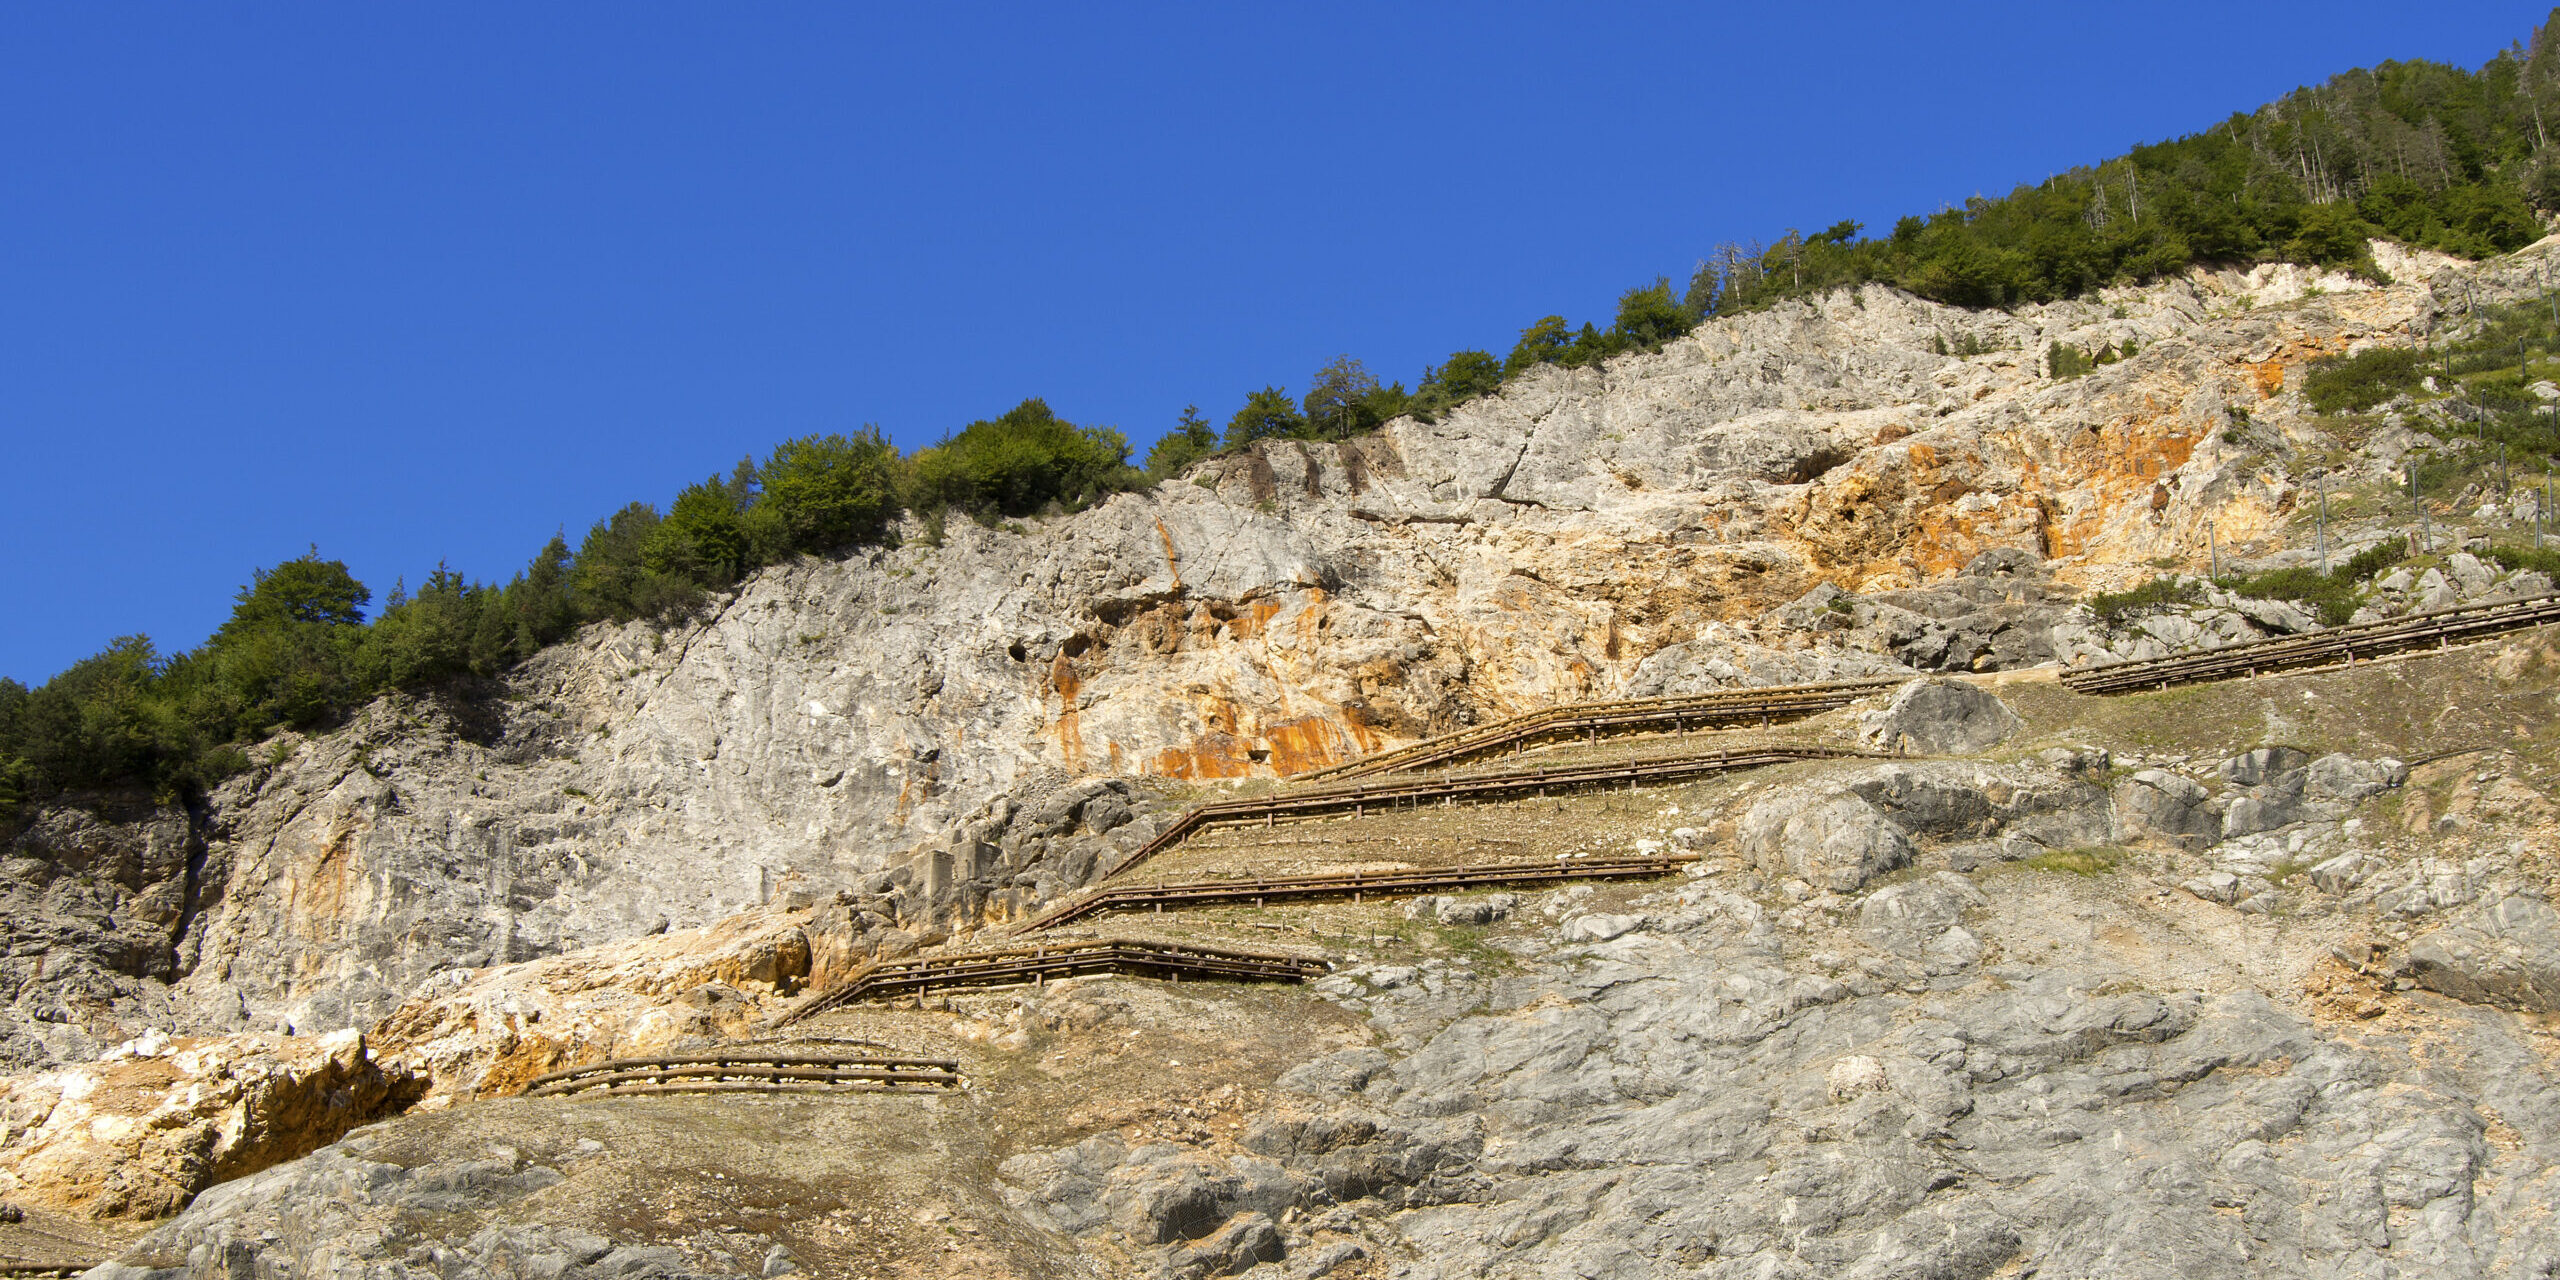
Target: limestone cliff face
(1628, 528)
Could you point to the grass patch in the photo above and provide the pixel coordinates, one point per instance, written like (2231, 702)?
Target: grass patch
(2091, 861)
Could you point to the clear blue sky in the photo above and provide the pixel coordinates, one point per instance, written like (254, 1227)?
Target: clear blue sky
(427, 282)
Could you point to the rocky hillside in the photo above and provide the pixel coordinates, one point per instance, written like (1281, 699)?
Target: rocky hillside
(2254, 978)
(852, 758)
(1633, 528)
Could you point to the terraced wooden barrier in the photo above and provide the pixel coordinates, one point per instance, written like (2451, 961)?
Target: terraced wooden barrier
(1354, 884)
(1723, 709)
(2339, 645)
(749, 1070)
(1024, 966)
(1357, 801)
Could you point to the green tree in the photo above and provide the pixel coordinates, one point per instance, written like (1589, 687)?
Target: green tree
(427, 637)
(2331, 235)
(1023, 462)
(1342, 399)
(539, 607)
(98, 723)
(703, 540)
(287, 654)
(823, 493)
(1191, 439)
(1649, 316)
(1267, 414)
(1545, 342)
(610, 580)
(1465, 376)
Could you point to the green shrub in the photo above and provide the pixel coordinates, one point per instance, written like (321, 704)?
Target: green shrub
(2116, 608)
(822, 493)
(2540, 559)
(1466, 375)
(1191, 439)
(2354, 384)
(1268, 414)
(1022, 463)
(1344, 400)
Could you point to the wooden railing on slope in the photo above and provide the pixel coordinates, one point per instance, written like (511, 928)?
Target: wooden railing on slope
(1353, 884)
(1019, 966)
(1725, 708)
(744, 1069)
(1357, 800)
(2436, 629)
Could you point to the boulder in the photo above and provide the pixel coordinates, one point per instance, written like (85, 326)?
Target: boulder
(2505, 954)
(1942, 717)
(2342, 778)
(1912, 918)
(2176, 809)
(1600, 927)
(1838, 842)
(2214, 886)
(1246, 1241)
(2261, 765)
(2282, 617)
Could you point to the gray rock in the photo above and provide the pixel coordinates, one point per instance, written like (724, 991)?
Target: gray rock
(2261, 765)
(1451, 910)
(1907, 917)
(2276, 617)
(1942, 717)
(2343, 873)
(2473, 577)
(2160, 803)
(2215, 886)
(1840, 842)
(1246, 1241)
(2505, 954)
(1324, 1259)
(2344, 779)
(1600, 927)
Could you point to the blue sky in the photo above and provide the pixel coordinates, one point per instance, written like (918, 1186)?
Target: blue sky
(425, 283)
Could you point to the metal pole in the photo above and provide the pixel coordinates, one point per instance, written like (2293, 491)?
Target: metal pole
(2323, 526)
(2424, 541)
(2213, 552)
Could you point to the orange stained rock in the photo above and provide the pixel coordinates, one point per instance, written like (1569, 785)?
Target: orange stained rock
(1248, 625)
(1064, 681)
(1312, 742)
(2268, 376)
(319, 900)
(1172, 567)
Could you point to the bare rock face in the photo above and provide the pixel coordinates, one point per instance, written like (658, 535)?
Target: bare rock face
(2505, 954)
(1942, 717)
(1846, 829)
(2160, 803)
(139, 1133)
(1813, 491)
(1839, 841)
(98, 899)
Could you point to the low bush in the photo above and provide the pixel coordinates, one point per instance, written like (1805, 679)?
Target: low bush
(2116, 608)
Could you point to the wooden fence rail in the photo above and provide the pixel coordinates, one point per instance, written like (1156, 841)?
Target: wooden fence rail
(1357, 801)
(1032, 965)
(1354, 884)
(1723, 709)
(738, 1070)
(2440, 628)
